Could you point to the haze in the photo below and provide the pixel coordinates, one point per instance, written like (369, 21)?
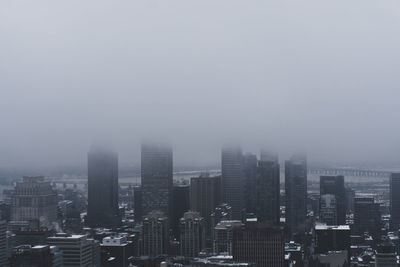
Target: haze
(316, 75)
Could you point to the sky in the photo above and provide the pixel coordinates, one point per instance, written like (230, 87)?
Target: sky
(320, 76)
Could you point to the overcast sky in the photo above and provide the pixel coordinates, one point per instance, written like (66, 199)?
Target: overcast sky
(317, 75)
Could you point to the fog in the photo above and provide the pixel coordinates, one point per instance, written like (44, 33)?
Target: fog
(321, 76)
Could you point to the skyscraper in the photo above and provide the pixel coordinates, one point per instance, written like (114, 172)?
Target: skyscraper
(250, 173)
(268, 192)
(395, 201)
(155, 234)
(180, 205)
(157, 179)
(192, 230)
(233, 180)
(334, 185)
(367, 217)
(102, 188)
(3, 243)
(296, 194)
(205, 195)
(34, 199)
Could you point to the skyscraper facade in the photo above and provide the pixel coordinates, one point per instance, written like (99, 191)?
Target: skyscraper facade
(268, 192)
(233, 180)
(250, 173)
(192, 235)
(367, 217)
(296, 194)
(260, 244)
(334, 185)
(395, 201)
(102, 188)
(155, 234)
(157, 178)
(180, 205)
(205, 195)
(34, 199)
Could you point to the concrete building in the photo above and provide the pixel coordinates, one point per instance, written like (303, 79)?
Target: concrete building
(385, 255)
(155, 235)
(233, 181)
(205, 195)
(250, 174)
(103, 208)
(157, 179)
(296, 194)
(78, 250)
(193, 238)
(334, 185)
(34, 198)
(117, 247)
(223, 236)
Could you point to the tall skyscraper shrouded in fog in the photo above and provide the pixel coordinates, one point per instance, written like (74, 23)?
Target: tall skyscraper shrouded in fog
(334, 185)
(296, 194)
(268, 191)
(395, 201)
(250, 173)
(233, 179)
(102, 188)
(157, 178)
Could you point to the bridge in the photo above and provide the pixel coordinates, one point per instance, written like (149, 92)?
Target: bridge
(349, 172)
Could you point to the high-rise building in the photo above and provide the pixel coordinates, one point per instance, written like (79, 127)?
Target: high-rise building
(385, 255)
(296, 194)
(268, 192)
(223, 236)
(350, 195)
(328, 209)
(78, 250)
(367, 217)
(3, 243)
(180, 205)
(233, 181)
(395, 201)
(103, 208)
(157, 179)
(34, 199)
(37, 256)
(205, 195)
(331, 238)
(137, 203)
(334, 185)
(250, 173)
(260, 244)
(155, 234)
(192, 228)
(119, 248)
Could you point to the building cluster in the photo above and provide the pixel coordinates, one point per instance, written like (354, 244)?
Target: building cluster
(246, 216)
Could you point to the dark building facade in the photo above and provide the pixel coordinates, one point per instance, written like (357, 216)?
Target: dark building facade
(137, 203)
(334, 185)
(296, 194)
(180, 205)
(37, 256)
(102, 188)
(260, 244)
(394, 201)
(233, 181)
(250, 173)
(367, 217)
(157, 179)
(331, 238)
(205, 195)
(268, 192)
